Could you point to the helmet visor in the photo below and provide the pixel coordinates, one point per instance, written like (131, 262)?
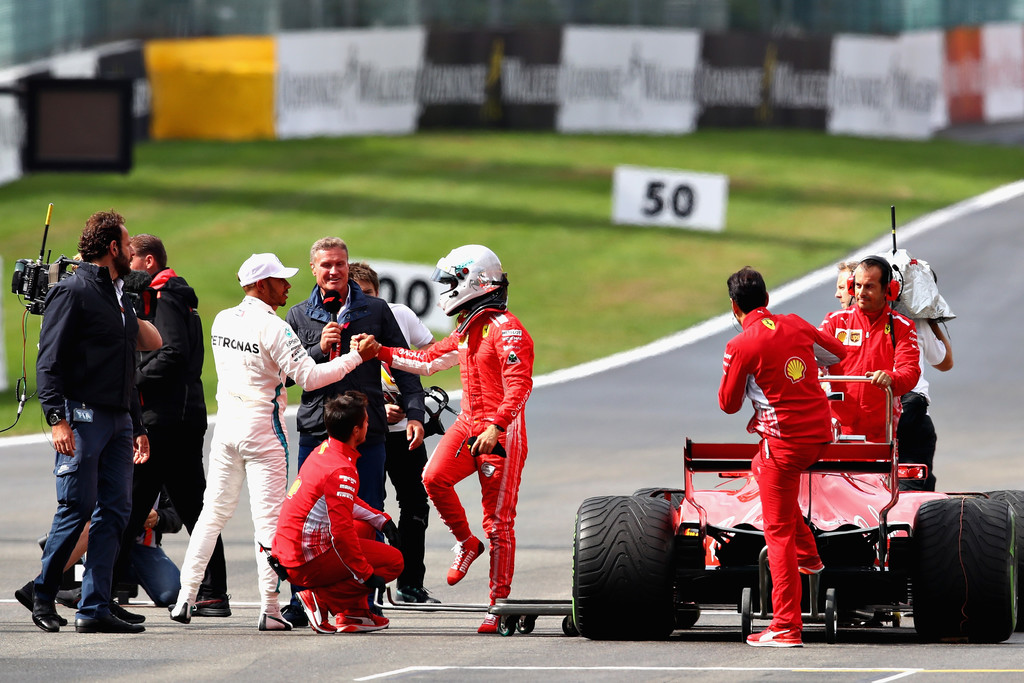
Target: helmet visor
(444, 276)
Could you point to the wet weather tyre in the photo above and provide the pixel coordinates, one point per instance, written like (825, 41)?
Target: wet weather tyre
(676, 495)
(1016, 501)
(622, 569)
(963, 570)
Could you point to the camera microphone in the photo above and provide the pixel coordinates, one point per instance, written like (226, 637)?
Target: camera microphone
(136, 281)
(143, 298)
(332, 304)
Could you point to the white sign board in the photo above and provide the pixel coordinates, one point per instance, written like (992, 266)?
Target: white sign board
(887, 86)
(347, 82)
(669, 198)
(628, 80)
(410, 284)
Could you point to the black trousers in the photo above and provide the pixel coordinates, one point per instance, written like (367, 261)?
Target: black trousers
(405, 469)
(176, 464)
(915, 436)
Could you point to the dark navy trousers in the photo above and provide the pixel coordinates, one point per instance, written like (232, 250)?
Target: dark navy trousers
(93, 484)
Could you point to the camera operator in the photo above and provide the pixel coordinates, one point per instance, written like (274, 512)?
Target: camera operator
(86, 376)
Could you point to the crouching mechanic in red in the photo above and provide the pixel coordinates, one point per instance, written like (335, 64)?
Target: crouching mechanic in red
(326, 535)
(495, 357)
(774, 362)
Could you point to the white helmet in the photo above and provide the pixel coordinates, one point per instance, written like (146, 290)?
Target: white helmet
(471, 272)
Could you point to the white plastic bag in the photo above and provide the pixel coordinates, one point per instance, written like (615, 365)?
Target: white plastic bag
(919, 293)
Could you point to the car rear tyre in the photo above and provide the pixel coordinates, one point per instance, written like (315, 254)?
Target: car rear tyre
(622, 568)
(963, 573)
(1016, 501)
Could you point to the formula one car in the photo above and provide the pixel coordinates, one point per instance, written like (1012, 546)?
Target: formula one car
(947, 559)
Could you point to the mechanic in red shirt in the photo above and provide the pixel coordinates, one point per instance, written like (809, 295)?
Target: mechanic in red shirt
(495, 356)
(880, 343)
(774, 362)
(326, 535)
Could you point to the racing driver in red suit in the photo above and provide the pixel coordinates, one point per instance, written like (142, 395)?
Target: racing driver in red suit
(495, 357)
(774, 362)
(880, 343)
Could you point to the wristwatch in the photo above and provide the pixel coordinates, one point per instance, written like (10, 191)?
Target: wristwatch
(54, 415)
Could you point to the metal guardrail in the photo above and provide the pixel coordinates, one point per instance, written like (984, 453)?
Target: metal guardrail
(35, 29)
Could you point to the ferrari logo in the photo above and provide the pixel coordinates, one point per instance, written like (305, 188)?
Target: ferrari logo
(770, 324)
(484, 332)
(888, 328)
(795, 369)
(294, 487)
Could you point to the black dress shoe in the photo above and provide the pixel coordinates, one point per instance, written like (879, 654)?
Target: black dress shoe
(108, 623)
(45, 616)
(124, 615)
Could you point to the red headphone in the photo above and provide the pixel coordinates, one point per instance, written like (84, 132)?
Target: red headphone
(891, 286)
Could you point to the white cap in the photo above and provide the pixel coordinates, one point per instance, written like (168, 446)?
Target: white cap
(261, 266)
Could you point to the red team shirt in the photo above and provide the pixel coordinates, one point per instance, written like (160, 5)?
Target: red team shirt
(889, 342)
(774, 362)
(318, 515)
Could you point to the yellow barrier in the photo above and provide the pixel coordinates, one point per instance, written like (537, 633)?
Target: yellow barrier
(212, 88)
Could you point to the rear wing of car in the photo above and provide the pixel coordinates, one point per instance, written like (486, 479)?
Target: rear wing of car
(841, 457)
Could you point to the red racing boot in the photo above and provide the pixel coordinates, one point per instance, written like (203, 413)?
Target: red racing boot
(466, 552)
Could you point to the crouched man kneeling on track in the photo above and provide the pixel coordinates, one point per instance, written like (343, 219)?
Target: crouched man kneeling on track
(326, 535)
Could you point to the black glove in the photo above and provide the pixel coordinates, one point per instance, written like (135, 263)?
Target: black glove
(390, 531)
(272, 560)
(375, 582)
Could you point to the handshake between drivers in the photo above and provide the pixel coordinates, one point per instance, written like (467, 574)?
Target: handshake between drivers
(365, 345)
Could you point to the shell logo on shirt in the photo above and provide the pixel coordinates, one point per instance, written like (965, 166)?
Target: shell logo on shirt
(795, 369)
(850, 337)
(770, 324)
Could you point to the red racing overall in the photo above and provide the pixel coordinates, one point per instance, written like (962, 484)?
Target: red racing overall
(774, 363)
(495, 356)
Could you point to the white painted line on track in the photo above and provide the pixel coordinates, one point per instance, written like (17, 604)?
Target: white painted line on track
(722, 322)
(899, 672)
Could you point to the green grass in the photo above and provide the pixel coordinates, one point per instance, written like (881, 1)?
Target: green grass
(583, 287)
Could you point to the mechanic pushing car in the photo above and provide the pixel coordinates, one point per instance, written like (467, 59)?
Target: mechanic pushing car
(495, 355)
(774, 362)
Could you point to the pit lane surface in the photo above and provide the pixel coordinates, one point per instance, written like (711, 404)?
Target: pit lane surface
(591, 434)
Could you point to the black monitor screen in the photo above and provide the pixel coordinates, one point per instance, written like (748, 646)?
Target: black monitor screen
(78, 125)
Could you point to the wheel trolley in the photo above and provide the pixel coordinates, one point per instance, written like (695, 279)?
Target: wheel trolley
(514, 616)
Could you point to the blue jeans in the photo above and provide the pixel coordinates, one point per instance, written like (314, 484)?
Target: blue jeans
(156, 573)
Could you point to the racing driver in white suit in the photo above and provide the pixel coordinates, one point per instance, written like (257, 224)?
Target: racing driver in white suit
(255, 352)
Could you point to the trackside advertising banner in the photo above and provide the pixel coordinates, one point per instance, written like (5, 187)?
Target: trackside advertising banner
(750, 80)
(496, 79)
(1002, 71)
(888, 87)
(626, 80)
(347, 82)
